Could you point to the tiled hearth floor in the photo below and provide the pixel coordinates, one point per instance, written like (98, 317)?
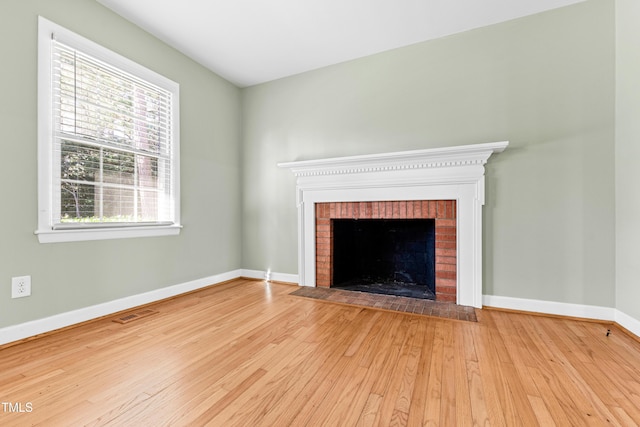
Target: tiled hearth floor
(389, 302)
(387, 287)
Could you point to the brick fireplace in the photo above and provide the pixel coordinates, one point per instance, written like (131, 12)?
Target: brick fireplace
(442, 211)
(412, 182)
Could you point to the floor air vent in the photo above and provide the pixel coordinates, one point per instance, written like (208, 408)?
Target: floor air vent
(130, 317)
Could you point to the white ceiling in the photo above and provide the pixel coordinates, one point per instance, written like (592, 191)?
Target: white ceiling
(254, 41)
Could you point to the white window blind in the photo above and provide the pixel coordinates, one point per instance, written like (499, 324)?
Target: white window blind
(108, 151)
(111, 134)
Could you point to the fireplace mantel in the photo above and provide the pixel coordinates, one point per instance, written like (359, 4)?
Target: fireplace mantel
(454, 173)
(461, 155)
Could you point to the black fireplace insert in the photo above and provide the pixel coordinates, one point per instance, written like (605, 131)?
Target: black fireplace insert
(388, 256)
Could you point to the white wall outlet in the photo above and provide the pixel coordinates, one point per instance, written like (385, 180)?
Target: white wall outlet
(20, 286)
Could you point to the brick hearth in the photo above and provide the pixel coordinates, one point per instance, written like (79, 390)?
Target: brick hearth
(443, 211)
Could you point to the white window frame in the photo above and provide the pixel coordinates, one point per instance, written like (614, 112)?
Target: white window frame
(46, 157)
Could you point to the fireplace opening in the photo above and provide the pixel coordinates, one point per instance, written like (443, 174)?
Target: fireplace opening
(385, 256)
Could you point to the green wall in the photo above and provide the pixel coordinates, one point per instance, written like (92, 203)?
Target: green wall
(545, 82)
(627, 156)
(68, 276)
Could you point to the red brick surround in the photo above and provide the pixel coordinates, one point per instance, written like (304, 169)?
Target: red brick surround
(443, 211)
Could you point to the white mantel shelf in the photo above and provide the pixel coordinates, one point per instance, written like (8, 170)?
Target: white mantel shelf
(449, 173)
(461, 155)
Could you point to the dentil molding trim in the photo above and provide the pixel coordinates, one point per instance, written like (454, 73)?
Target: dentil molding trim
(461, 155)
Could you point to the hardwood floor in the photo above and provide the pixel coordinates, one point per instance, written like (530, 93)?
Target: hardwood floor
(245, 353)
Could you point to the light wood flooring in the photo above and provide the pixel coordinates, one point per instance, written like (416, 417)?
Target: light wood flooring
(246, 353)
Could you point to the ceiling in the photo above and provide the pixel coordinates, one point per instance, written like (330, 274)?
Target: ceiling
(253, 41)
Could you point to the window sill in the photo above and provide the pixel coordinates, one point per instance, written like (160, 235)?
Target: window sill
(57, 236)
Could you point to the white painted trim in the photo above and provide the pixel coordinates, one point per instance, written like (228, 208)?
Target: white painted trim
(45, 232)
(629, 323)
(270, 275)
(551, 307)
(48, 324)
(285, 277)
(51, 323)
(461, 155)
(254, 274)
(451, 173)
(565, 309)
(57, 236)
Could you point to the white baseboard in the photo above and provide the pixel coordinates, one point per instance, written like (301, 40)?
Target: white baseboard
(51, 323)
(629, 323)
(550, 307)
(565, 309)
(270, 275)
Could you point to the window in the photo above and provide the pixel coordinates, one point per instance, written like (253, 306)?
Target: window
(108, 143)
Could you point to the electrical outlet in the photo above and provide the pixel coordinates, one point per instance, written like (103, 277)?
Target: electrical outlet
(20, 286)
